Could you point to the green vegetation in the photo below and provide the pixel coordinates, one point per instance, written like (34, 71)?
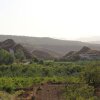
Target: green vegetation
(5, 57)
(79, 92)
(82, 76)
(19, 55)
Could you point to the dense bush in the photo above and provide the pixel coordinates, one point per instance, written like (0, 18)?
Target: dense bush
(41, 70)
(5, 57)
(79, 92)
(91, 73)
(19, 55)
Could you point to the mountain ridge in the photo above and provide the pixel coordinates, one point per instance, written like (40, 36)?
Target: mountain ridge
(54, 46)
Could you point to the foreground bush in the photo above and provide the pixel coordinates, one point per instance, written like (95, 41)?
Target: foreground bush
(79, 92)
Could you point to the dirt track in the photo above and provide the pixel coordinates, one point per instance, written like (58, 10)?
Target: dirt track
(49, 92)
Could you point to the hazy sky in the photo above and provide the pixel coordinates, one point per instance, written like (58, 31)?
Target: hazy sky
(65, 19)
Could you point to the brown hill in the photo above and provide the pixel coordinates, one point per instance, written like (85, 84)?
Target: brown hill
(84, 54)
(42, 55)
(84, 50)
(7, 44)
(27, 54)
(12, 46)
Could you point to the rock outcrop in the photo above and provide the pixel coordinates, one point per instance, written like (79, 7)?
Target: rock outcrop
(84, 54)
(12, 46)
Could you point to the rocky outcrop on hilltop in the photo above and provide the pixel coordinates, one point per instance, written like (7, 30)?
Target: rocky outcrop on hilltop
(7, 44)
(12, 47)
(85, 49)
(84, 54)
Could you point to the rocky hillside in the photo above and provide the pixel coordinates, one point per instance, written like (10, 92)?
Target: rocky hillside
(42, 55)
(57, 47)
(83, 54)
(13, 47)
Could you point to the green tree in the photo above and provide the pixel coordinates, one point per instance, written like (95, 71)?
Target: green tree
(92, 74)
(19, 54)
(5, 57)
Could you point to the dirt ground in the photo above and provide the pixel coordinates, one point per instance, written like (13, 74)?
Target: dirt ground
(49, 92)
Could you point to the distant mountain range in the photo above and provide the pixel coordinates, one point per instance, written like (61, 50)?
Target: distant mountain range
(54, 47)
